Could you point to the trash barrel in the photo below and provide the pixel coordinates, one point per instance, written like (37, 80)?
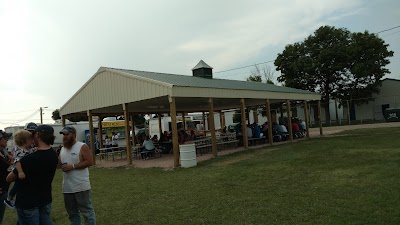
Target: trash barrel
(188, 155)
(392, 115)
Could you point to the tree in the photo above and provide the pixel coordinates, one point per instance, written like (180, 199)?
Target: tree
(257, 73)
(336, 63)
(56, 115)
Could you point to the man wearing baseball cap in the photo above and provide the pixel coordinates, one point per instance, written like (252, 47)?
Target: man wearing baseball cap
(4, 136)
(4, 163)
(30, 127)
(34, 195)
(76, 157)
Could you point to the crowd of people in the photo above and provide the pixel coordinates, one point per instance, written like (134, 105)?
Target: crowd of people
(279, 131)
(32, 166)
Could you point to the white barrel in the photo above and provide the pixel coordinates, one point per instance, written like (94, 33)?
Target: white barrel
(188, 155)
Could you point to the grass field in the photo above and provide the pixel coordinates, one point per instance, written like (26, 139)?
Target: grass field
(352, 178)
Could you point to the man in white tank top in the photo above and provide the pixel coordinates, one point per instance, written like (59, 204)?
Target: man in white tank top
(75, 158)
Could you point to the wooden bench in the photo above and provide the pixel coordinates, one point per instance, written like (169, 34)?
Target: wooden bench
(105, 152)
(254, 141)
(203, 149)
(225, 144)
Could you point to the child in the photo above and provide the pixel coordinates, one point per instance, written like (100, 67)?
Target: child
(23, 140)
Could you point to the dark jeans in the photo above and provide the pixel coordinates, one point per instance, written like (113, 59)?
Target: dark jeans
(35, 216)
(80, 203)
(3, 197)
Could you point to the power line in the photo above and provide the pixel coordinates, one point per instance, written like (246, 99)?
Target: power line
(238, 68)
(391, 34)
(16, 112)
(30, 116)
(387, 29)
(243, 67)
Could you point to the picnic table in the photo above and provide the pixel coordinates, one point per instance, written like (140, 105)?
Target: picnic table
(138, 151)
(105, 152)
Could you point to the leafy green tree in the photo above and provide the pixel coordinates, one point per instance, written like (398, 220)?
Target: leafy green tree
(336, 63)
(56, 115)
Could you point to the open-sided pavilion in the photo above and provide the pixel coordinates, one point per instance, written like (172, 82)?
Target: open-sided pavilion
(111, 92)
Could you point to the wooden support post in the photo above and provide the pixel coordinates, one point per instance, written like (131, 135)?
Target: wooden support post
(133, 130)
(212, 127)
(91, 131)
(63, 121)
(100, 131)
(127, 134)
(320, 118)
(221, 120)
(183, 121)
(204, 121)
(248, 115)
(289, 120)
(306, 119)
(244, 127)
(175, 143)
(270, 137)
(159, 125)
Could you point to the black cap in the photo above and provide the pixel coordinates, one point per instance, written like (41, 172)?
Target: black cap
(30, 126)
(68, 130)
(45, 129)
(5, 135)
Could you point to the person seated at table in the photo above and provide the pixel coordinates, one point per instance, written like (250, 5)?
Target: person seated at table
(107, 143)
(148, 148)
(181, 136)
(295, 128)
(192, 136)
(141, 138)
(164, 137)
(249, 132)
(302, 126)
(264, 128)
(154, 138)
(282, 130)
(257, 131)
(224, 130)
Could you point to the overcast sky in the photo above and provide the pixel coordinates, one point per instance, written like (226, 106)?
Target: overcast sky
(49, 49)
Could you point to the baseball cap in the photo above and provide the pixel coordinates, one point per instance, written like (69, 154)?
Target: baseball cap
(68, 130)
(45, 129)
(30, 126)
(5, 135)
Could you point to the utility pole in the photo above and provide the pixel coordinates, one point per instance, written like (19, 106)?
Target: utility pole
(41, 114)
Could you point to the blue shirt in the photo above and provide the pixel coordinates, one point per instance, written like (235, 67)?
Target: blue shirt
(257, 132)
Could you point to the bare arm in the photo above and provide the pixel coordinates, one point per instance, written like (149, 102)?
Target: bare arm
(11, 177)
(21, 174)
(59, 163)
(85, 157)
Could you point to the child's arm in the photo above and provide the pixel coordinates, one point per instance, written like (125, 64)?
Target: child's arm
(21, 174)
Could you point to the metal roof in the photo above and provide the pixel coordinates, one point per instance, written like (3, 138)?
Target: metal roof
(147, 92)
(199, 82)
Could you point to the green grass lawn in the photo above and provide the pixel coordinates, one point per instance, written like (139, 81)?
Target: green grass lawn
(349, 179)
